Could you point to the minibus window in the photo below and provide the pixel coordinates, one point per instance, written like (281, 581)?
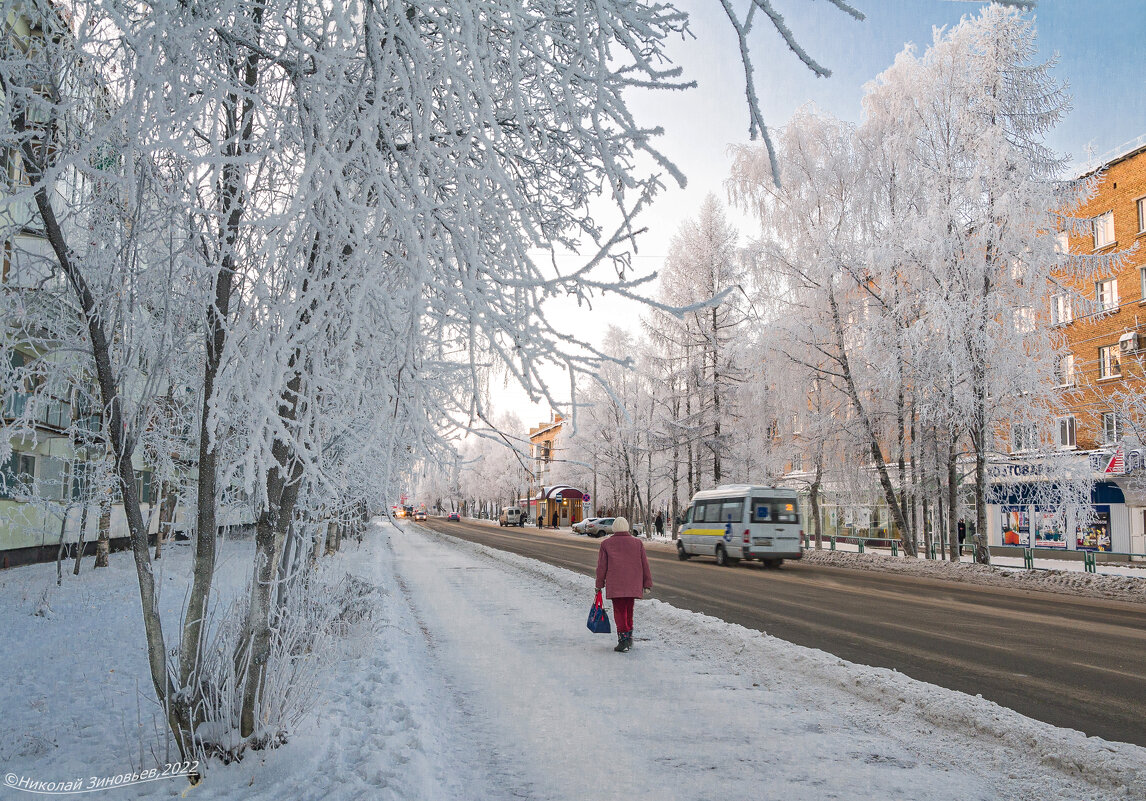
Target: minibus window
(761, 510)
(709, 513)
(786, 512)
(732, 511)
(688, 515)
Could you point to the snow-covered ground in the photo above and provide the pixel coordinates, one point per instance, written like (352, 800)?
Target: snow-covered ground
(477, 679)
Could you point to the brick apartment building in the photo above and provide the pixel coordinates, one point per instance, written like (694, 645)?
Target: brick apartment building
(1102, 318)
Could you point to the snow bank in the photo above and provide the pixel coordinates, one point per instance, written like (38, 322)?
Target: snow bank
(1073, 582)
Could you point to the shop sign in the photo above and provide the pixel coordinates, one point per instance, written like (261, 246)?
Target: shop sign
(1015, 471)
(1107, 461)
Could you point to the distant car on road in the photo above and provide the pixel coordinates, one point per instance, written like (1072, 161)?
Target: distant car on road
(579, 526)
(453, 516)
(600, 527)
(419, 515)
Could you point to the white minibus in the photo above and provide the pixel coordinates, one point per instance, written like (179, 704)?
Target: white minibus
(742, 521)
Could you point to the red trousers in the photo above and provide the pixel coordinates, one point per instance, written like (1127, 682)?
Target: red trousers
(623, 613)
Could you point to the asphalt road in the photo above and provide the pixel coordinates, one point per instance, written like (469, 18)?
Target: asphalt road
(1078, 663)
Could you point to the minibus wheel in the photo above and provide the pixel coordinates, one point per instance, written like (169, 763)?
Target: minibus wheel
(721, 556)
(681, 553)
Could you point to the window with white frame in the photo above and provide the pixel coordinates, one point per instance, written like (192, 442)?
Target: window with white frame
(1140, 203)
(1061, 310)
(1066, 440)
(1024, 319)
(1103, 230)
(1024, 437)
(1109, 362)
(1111, 428)
(1106, 293)
(1062, 242)
(1064, 370)
(1142, 280)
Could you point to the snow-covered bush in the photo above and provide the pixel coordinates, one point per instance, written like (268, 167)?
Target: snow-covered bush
(321, 609)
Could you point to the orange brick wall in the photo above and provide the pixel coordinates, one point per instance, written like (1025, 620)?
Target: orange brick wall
(1122, 186)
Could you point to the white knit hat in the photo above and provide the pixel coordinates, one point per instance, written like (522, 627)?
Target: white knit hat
(620, 524)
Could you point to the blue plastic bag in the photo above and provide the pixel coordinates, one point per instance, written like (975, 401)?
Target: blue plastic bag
(598, 618)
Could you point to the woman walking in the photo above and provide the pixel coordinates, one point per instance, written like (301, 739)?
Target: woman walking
(623, 572)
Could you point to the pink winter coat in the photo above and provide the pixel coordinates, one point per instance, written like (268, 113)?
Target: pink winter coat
(623, 567)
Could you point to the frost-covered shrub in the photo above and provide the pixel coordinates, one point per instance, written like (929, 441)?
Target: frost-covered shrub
(318, 609)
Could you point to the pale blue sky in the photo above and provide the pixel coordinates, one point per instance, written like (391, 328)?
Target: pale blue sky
(1100, 45)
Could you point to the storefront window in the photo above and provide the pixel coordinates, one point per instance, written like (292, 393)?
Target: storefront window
(1096, 536)
(1016, 526)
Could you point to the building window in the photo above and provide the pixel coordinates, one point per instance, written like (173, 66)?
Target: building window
(1106, 293)
(1062, 242)
(1061, 311)
(1024, 437)
(1066, 439)
(1109, 363)
(1103, 230)
(1111, 428)
(1141, 204)
(1064, 370)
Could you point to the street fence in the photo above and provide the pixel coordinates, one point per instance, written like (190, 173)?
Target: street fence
(1090, 559)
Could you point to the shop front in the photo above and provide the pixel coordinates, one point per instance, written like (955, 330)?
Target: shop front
(559, 505)
(1022, 511)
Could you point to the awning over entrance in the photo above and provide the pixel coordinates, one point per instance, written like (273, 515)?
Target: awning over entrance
(561, 492)
(558, 492)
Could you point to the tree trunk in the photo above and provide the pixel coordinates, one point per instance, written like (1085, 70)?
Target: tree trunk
(814, 500)
(270, 531)
(953, 498)
(103, 541)
(122, 443)
(83, 532)
(166, 516)
(868, 430)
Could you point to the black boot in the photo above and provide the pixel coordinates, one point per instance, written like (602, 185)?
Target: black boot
(626, 642)
(621, 642)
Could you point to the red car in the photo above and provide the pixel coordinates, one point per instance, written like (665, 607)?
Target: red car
(452, 516)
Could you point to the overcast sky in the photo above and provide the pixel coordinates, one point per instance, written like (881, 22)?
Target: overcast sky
(1099, 44)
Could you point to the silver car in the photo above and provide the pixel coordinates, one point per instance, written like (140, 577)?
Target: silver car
(600, 526)
(579, 526)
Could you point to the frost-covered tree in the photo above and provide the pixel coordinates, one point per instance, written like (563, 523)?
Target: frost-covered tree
(343, 205)
(699, 345)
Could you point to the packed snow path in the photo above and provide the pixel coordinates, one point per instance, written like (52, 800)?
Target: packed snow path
(701, 709)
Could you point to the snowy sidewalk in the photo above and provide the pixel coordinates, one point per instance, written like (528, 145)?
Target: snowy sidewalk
(701, 709)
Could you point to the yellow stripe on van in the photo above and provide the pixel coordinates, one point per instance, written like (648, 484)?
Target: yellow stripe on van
(706, 532)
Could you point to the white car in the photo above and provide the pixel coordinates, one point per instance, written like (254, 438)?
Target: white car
(580, 526)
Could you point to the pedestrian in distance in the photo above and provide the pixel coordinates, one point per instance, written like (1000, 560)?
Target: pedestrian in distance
(659, 524)
(623, 572)
(962, 532)
(556, 519)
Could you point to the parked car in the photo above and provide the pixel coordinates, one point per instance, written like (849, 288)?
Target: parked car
(579, 526)
(453, 516)
(600, 527)
(419, 515)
